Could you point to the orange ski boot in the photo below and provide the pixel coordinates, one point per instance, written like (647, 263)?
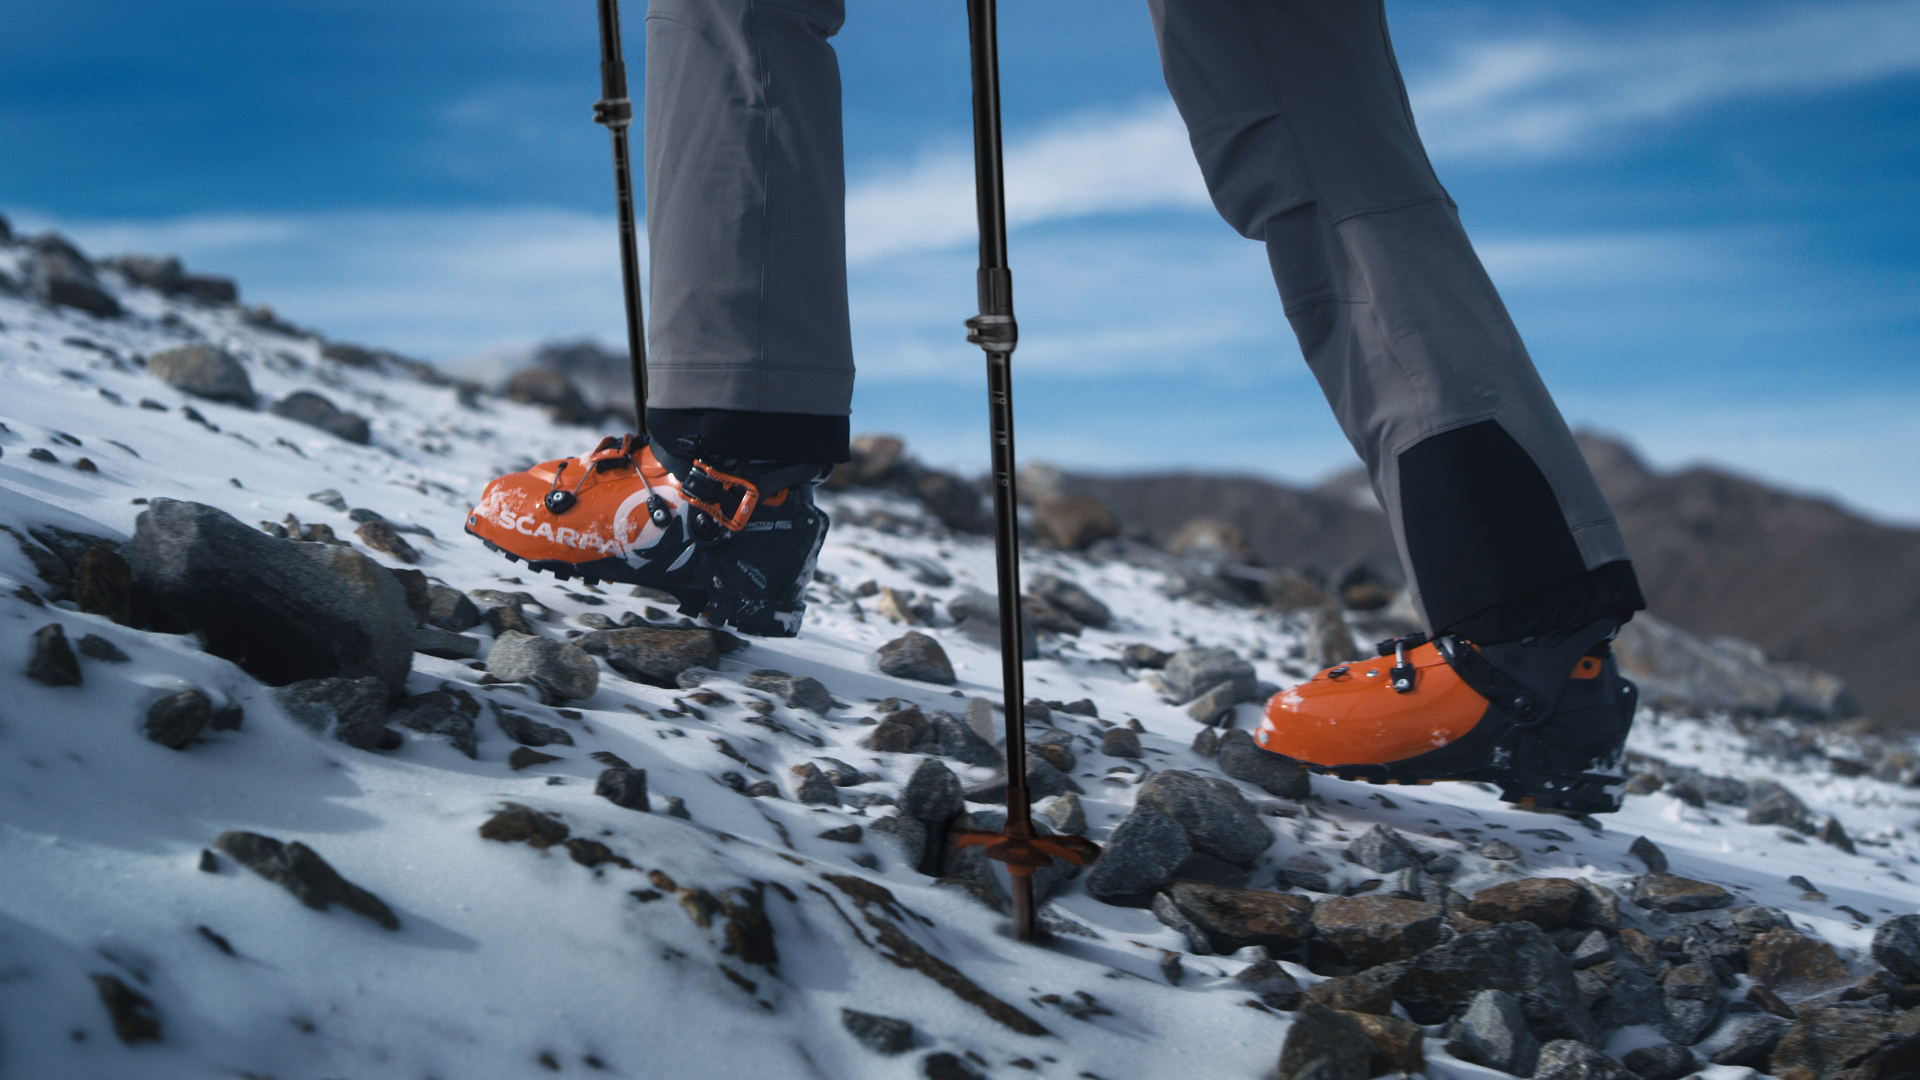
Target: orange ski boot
(739, 549)
(1544, 719)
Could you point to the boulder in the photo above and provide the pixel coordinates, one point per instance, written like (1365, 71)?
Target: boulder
(795, 692)
(813, 787)
(1070, 598)
(50, 659)
(354, 711)
(1370, 930)
(932, 794)
(883, 1035)
(1121, 742)
(1140, 856)
(1795, 966)
(444, 644)
(1494, 1028)
(1233, 919)
(527, 731)
(903, 731)
(915, 656)
(1566, 1059)
(1192, 672)
(1742, 1039)
(58, 275)
(1668, 1061)
(954, 739)
(1769, 803)
(1398, 1046)
(564, 401)
(906, 836)
(301, 871)
(1073, 521)
(1517, 958)
(655, 655)
(624, 787)
(205, 372)
(1673, 894)
(1217, 819)
(282, 610)
(1382, 851)
(1240, 758)
(103, 584)
(1896, 946)
(1325, 1044)
(174, 720)
(1548, 903)
(562, 670)
(1369, 991)
(313, 410)
(1842, 1042)
(440, 713)
(1693, 1002)
(450, 609)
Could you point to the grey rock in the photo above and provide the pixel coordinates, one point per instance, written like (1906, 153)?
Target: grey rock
(932, 794)
(1677, 670)
(1665, 1062)
(301, 871)
(331, 498)
(445, 644)
(1693, 1003)
(1896, 946)
(946, 1066)
(1241, 759)
(1145, 656)
(1203, 867)
(1649, 854)
(801, 692)
(1192, 672)
(1121, 742)
(1174, 919)
(1496, 1030)
(915, 656)
(906, 836)
(1769, 803)
(1517, 958)
(654, 655)
(1499, 851)
(1673, 894)
(980, 719)
(1070, 598)
(1382, 851)
(50, 660)
(1365, 931)
(57, 274)
(1066, 815)
(902, 731)
(1217, 818)
(450, 609)
(1742, 1039)
(841, 773)
(881, 1034)
(1217, 702)
(954, 739)
(438, 713)
(1043, 781)
(284, 611)
(813, 787)
(525, 730)
(1565, 1059)
(562, 669)
(977, 615)
(1055, 746)
(1699, 789)
(381, 536)
(1324, 1044)
(205, 372)
(1593, 949)
(624, 787)
(1141, 856)
(313, 410)
(176, 719)
(95, 647)
(844, 834)
(1632, 997)
(1272, 982)
(353, 711)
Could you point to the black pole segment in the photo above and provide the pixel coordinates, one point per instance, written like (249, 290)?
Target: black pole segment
(615, 110)
(995, 331)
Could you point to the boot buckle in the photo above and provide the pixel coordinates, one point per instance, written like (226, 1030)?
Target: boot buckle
(707, 489)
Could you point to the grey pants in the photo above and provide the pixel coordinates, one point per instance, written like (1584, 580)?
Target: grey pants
(1301, 126)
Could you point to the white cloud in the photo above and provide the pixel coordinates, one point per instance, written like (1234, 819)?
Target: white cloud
(1542, 95)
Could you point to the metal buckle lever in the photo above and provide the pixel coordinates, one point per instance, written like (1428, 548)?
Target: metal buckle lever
(705, 486)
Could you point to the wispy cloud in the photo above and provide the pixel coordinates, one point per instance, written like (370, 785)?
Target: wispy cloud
(1544, 94)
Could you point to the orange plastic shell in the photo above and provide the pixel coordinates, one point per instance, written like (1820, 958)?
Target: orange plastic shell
(1351, 715)
(608, 517)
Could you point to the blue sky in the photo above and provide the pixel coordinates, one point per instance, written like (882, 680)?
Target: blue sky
(1701, 213)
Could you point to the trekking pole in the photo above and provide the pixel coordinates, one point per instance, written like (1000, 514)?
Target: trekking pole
(996, 333)
(615, 110)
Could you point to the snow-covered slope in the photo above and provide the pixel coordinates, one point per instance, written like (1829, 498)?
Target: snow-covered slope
(514, 961)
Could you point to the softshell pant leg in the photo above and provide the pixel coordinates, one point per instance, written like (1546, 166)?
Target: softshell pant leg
(1301, 126)
(746, 218)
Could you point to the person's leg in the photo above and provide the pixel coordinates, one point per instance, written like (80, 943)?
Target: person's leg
(1302, 129)
(749, 351)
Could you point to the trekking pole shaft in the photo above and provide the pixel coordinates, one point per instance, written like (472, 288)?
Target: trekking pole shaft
(615, 110)
(995, 331)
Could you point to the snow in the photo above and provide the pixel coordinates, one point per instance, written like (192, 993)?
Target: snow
(506, 953)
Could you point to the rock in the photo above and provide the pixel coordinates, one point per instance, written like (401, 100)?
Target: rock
(1649, 854)
(1666, 1062)
(284, 611)
(946, 1066)
(1234, 918)
(1055, 747)
(1066, 815)
(907, 837)
(880, 1034)
(1043, 782)
(1217, 702)
(978, 616)
(1742, 1039)
(1631, 996)
(540, 386)
(801, 692)
(932, 794)
(954, 739)
(903, 731)
(1517, 958)
(1070, 598)
(95, 647)
(812, 787)
(845, 834)
(444, 643)
(1370, 930)
(1324, 1044)
(1239, 758)
(1192, 672)
(1795, 966)
(1073, 521)
(381, 537)
(1121, 742)
(1215, 816)
(1548, 903)
(353, 711)
(450, 609)
(103, 584)
(1896, 946)
(205, 372)
(916, 656)
(1174, 919)
(1494, 1028)
(1203, 867)
(58, 275)
(51, 660)
(517, 824)
(1382, 851)
(1269, 980)
(1769, 803)
(132, 1013)
(1839, 1042)
(1144, 656)
(1699, 789)
(301, 871)
(1328, 641)
(1834, 833)
(655, 655)
(525, 730)
(1693, 1002)
(1593, 949)
(1566, 1059)
(1140, 856)
(1676, 894)
(562, 670)
(313, 410)
(174, 720)
(624, 787)
(1398, 1046)
(440, 713)
(1499, 851)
